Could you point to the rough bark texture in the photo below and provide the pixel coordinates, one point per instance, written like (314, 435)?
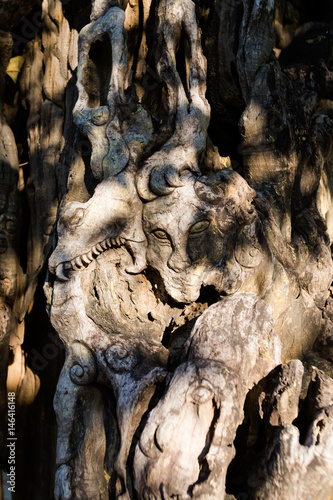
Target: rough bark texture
(166, 225)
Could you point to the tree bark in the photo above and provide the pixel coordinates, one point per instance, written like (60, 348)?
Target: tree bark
(165, 238)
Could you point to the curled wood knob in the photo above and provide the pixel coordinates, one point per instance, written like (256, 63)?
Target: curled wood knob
(83, 367)
(119, 358)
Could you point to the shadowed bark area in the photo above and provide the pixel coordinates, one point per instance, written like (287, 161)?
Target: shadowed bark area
(166, 225)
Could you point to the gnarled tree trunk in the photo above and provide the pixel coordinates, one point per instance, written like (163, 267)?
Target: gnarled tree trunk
(165, 238)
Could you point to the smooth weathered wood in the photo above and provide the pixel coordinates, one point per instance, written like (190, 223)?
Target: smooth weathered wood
(166, 177)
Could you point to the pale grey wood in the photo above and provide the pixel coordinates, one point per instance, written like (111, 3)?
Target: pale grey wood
(191, 294)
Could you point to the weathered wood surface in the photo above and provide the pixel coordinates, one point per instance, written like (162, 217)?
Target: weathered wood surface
(183, 152)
